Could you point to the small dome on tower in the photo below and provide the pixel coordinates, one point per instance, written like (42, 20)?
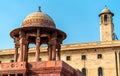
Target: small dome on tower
(38, 19)
(106, 11)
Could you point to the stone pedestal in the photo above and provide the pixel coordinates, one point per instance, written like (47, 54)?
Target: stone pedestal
(46, 68)
(13, 69)
(51, 68)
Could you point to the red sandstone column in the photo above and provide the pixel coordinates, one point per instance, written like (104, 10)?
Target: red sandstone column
(53, 42)
(54, 51)
(59, 52)
(24, 52)
(15, 74)
(49, 52)
(21, 51)
(21, 46)
(27, 49)
(16, 54)
(37, 45)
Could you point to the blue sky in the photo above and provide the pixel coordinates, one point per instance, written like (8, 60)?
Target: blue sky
(78, 18)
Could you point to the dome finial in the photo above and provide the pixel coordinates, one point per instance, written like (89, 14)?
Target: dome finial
(105, 6)
(39, 9)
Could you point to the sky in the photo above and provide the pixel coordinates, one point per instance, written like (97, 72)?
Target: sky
(77, 18)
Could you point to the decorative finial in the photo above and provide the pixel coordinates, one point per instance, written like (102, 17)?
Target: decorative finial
(105, 6)
(39, 9)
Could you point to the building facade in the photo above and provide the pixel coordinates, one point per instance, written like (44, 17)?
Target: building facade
(93, 59)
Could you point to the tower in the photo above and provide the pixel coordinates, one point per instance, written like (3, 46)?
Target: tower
(106, 25)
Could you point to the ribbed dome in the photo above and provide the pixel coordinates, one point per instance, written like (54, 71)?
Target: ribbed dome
(41, 22)
(106, 11)
(38, 19)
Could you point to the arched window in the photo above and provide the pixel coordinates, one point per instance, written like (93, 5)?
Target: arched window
(84, 71)
(105, 18)
(100, 71)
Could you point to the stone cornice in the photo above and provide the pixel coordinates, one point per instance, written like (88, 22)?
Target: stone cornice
(68, 47)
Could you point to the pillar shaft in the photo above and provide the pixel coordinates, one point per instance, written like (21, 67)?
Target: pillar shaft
(37, 45)
(22, 40)
(49, 52)
(25, 50)
(59, 52)
(37, 51)
(54, 52)
(16, 54)
(21, 50)
(53, 45)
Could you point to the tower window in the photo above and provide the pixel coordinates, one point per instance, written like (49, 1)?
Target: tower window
(105, 18)
(99, 56)
(100, 71)
(68, 58)
(83, 57)
(84, 71)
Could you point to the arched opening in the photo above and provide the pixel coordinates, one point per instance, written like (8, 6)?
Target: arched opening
(105, 18)
(100, 71)
(31, 56)
(43, 56)
(84, 71)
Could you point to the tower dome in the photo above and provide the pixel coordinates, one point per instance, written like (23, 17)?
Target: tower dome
(106, 11)
(38, 19)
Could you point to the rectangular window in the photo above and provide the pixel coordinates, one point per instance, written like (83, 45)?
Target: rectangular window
(40, 59)
(68, 58)
(99, 56)
(83, 57)
(84, 71)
